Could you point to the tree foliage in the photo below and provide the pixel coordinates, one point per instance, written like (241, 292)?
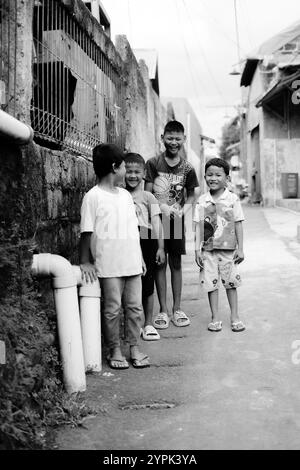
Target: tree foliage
(230, 135)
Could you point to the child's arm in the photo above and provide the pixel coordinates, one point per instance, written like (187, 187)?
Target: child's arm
(191, 196)
(88, 271)
(158, 234)
(149, 186)
(198, 246)
(239, 254)
(163, 206)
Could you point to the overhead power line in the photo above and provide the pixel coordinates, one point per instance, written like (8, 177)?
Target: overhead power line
(204, 56)
(190, 63)
(220, 28)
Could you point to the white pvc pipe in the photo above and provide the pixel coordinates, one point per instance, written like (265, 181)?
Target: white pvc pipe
(14, 129)
(68, 321)
(89, 303)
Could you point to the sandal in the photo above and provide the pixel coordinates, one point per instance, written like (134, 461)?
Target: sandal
(149, 333)
(215, 326)
(161, 321)
(238, 326)
(140, 363)
(180, 319)
(117, 363)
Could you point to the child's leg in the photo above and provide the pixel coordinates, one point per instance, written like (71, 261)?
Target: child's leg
(233, 302)
(132, 301)
(176, 279)
(161, 286)
(213, 298)
(148, 303)
(111, 291)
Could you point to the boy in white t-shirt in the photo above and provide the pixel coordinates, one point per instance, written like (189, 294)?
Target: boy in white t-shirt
(110, 250)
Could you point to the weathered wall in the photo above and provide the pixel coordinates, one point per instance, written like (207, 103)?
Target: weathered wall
(145, 117)
(41, 194)
(278, 156)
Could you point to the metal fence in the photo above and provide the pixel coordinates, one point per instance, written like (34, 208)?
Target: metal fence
(8, 55)
(77, 92)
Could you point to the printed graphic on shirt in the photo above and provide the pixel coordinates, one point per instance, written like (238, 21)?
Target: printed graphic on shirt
(219, 228)
(168, 188)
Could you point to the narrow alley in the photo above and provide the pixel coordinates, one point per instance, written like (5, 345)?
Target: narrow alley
(209, 390)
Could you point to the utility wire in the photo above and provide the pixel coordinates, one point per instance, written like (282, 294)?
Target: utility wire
(213, 19)
(204, 57)
(189, 58)
(244, 10)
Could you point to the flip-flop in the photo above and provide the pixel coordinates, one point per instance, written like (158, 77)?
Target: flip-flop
(140, 363)
(180, 319)
(123, 364)
(149, 333)
(215, 326)
(237, 326)
(161, 321)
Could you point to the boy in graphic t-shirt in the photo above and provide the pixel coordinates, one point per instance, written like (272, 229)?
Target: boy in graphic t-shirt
(172, 180)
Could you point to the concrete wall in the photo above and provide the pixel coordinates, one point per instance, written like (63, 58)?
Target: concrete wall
(145, 117)
(278, 156)
(51, 184)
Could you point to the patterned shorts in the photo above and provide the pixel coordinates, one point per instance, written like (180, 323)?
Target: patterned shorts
(218, 264)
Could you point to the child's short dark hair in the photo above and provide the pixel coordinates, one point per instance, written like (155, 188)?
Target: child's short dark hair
(173, 126)
(104, 156)
(132, 157)
(220, 162)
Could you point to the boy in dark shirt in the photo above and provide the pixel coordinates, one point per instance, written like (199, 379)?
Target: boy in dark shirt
(172, 180)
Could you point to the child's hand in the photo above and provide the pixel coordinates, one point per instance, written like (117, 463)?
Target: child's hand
(88, 272)
(198, 259)
(238, 256)
(144, 268)
(166, 210)
(176, 211)
(160, 256)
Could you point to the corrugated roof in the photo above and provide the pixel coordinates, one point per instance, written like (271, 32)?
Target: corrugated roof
(150, 58)
(267, 48)
(277, 88)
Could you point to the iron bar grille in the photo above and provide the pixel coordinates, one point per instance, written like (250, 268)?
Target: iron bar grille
(77, 92)
(8, 55)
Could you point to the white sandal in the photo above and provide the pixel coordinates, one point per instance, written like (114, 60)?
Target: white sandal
(161, 321)
(149, 333)
(180, 319)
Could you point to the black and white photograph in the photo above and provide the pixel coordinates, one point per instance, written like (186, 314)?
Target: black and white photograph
(149, 229)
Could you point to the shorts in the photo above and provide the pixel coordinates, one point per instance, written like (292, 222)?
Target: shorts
(218, 264)
(174, 235)
(149, 248)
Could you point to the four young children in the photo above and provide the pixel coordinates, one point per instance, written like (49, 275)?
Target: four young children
(127, 236)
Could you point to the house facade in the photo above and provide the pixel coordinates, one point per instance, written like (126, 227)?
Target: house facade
(271, 124)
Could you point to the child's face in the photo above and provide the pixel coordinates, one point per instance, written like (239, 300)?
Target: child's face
(173, 141)
(134, 175)
(216, 178)
(119, 174)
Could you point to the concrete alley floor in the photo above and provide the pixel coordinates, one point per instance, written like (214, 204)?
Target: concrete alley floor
(209, 390)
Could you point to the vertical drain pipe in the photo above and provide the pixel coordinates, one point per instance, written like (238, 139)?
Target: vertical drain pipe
(89, 305)
(68, 321)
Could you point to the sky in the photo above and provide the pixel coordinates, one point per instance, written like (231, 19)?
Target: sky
(198, 44)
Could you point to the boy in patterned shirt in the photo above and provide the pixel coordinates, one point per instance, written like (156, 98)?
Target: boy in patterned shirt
(219, 241)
